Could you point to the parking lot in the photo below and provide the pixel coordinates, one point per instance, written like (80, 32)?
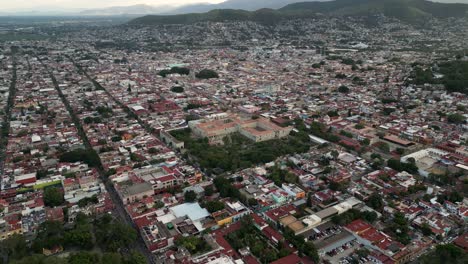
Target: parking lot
(338, 255)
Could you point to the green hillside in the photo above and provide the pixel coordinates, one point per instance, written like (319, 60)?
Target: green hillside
(412, 11)
(218, 15)
(408, 10)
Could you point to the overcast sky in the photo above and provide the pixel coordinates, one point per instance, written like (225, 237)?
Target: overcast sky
(85, 4)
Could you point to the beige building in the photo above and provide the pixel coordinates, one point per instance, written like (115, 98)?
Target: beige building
(219, 126)
(133, 192)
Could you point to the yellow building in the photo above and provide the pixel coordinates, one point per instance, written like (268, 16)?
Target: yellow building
(257, 130)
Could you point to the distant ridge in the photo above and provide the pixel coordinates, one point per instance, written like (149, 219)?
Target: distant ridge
(125, 10)
(249, 5)
(411, 11)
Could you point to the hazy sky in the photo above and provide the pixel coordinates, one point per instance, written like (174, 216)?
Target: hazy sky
(85, 4)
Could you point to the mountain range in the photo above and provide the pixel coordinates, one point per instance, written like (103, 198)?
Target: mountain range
(412, 11)
(144, 9)
(127, 10)
(249, 5)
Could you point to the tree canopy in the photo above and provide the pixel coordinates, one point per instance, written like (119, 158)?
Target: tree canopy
(456, 118)
(53, 197)
(83, 236)
(89, 157)
(343, 89)
(238, 152)
(445, 254)
(177, 89)
(175, 70)
(207, 74)
(190, 196)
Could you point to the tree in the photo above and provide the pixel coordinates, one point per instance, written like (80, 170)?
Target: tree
(377, 164)
(190, 196)
(39, 259)
(409, 167)
(136, 258)
(343, 89)
(332, 113)
(177, 89)
(209, 190)
(340, 76)
(365, 142)
(158, 204)
(214, 206)
(426, 229)
(111, 258)
(207, 74)
(305, 248)
(87, 200)
(362, 252)
(84, 257)
(113, 235)
(15, 247)
(335, 154)
(384, 147)
(80, 237)
(225, 188)
(153, 151)
(41, 174)
(174, 70)
(53, 197)
(193, 244)
(252, 202)
(369, 216)
(400, 151)
(359, 126)
(348, 61)
(49, 235)
(375, 201)
(388, 110)
(400, 228)
(456, 118)
(89, 157)
(335, 186)
(445, 254)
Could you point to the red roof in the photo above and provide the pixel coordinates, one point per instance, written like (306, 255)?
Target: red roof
(257, 219)
(27, 180)
(164, 106)
(462, 241)
(358, 226)
(250, 260)
(272, 234)
(68, 181)
(290, 259)
(277, 213)
(219, 236)
(54, 214)
(373, 235)
(142, 222)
